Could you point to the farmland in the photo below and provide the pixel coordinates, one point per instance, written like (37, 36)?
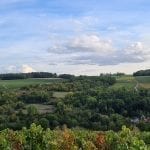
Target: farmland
(126, 81)
(11, 84)
(130, 82)
(144, 81)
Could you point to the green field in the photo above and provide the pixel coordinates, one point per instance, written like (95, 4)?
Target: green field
(144, 81)
(11, 84)
(130, 82)
(125, 81)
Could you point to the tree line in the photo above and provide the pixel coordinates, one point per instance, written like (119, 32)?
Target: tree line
(142, 73)
(14, 76)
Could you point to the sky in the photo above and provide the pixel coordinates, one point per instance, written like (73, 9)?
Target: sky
(74, 36)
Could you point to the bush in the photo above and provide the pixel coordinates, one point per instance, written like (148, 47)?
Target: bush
(36, 138)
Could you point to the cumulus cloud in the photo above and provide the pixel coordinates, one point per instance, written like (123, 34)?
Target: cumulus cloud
(27, 69)
(91, 43)
(138, 49)
(93, 49)
(84, 43)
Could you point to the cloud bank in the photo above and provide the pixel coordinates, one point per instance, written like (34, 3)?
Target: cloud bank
(93, 49)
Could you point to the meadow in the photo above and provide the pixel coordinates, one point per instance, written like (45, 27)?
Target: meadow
(11, 84)
(129, 81)
(144, 81)
(126, 81)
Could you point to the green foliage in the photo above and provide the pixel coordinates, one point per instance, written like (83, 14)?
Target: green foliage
(36, 96)
(44, 123)
(36, 138)
(32, 110)
(84, 101)
(125, 140)
(104, 109)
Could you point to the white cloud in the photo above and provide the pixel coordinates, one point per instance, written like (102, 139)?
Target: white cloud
(92, 43)
(138, 50)
(135, 48)
(84, 43)
(27, 69)
(93, 49)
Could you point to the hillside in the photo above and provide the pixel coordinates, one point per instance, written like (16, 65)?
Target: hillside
(94, 102)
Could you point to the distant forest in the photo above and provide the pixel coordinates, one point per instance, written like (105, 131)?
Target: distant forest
(142, 73)
(14, 76)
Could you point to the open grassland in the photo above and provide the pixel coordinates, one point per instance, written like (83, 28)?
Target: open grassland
(144, 81)
(12, 84)
(125, 81)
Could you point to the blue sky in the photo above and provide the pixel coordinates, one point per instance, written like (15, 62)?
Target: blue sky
(79, 37)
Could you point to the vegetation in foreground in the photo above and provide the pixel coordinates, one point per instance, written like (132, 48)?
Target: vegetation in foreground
(36, 138)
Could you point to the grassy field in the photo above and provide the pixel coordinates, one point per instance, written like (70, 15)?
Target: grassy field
(11, 84)
(144, 81)
(130, 82)
(125, 81)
